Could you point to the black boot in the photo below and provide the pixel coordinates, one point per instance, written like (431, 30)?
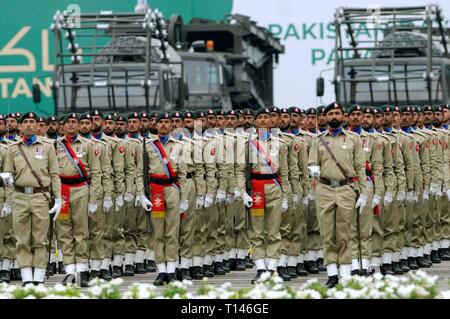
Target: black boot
(404, 265)
(84, 279)
(49, 271)
(248, 263)
(184, 275)
(320, 265)
(27, 283)
(422, 263)
(300, 269)
(94, 274)
(61, 269)
(129, 270)
(226, 266)
(396, 268)
(312, 267)
(355, 272)
(386, 269)
(17, 274)
(117, 272)
(218, 270)
(150, 266)
(412, 264)
(207, 271)
(444, 254)
(171, 278)
(54, 268)
(68, 279)
(364, 273)
(161, 279)
(5, 276)
(105, 274)
(197, 273)
(282, 273)
(427, 259)
(332, 281)
(240, 265)
(232, 263)
(258, 275)
(290, 271)
(435, 257)
(140, 269)
(177, 273)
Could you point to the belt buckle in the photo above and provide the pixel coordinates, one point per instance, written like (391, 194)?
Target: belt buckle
(28, 190)
(335, 183)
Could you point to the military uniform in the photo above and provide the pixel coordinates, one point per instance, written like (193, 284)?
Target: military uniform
(30, 202)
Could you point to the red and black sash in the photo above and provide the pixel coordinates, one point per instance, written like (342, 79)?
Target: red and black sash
(65, 188)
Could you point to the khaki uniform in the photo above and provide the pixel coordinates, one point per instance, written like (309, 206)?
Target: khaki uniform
(193, 157)
(266, 217)
(166, 222)
(31, 210)
(116, 162)
(445, 220)
(73, 229)
(440, 213)
(374, 170)
(336, 205)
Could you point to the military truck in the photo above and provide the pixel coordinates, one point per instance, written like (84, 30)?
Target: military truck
(228, 63)
(403, 60)
(116, 62)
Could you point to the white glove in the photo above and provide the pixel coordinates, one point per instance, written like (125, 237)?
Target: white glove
(312, 195)
(138, 201)
(409, 197)
(119, 202)
(401, 196)
(361, 202)
(434, 188)
(248, 200)
(209, 200)
(6, 210)
(128, 197)
(294, 200)
(107, 204)
(426, 196)
(376, 200)
(230, 199)
(237, 193)
(438, 194)
(448, 193)
(7, 178)
(56, 209)
(145, 203)
(416, 196)
(314, 170)
(92, 208)
(221, 196)
(199, 201)
(388, 198)
(184, 206)
(284, 205)
(305, 202)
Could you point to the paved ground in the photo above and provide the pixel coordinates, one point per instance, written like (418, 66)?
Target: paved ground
(242, 279)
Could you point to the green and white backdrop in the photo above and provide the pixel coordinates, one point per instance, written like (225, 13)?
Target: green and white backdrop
(305, 28)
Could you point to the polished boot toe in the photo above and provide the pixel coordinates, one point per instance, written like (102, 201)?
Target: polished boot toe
(161, 279)
(332, 281)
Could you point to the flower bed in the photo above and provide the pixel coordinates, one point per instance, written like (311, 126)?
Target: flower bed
(415, 285)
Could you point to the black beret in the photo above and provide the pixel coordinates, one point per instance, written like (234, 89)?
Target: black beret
(28, 115)
(284, 110)
(311, 111)
(97, 113)
(220, 113)
(154, 114)
(177, 115)
(262, 111)
(189, 115)
(41, 119)
(200, 114)
(86, 116)
(110, 117)
(134, 115)
(321, 110)
(11, 115)
(164, 115)
(144, 115)
(297, 110)
(353, 108)
(428, 108)
(121, 118)
(377, 110)
(274, 109)
(368, 110)
(333, 106)
(211, 112)
(248, 112)
(52, 118)
(70, 116)
(2, 117)
(405, 108)
(437, 108)
(232, 113)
